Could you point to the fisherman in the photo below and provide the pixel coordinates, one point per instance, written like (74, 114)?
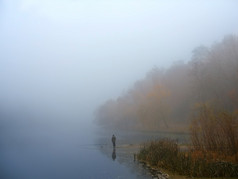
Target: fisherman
(114, 140)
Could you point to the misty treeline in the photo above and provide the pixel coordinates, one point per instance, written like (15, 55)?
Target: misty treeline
(169, 99)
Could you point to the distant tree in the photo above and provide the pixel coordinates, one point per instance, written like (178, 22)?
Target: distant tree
(164, 99)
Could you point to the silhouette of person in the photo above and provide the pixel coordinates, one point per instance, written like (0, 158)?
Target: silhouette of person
(114, 140)
(114, 156)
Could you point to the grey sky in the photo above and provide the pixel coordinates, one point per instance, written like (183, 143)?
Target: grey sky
(74, 54)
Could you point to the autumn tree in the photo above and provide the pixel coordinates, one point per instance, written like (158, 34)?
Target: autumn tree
(165, 98)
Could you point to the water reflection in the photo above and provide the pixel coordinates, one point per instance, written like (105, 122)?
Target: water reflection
(114, 156)
(128, 145)
(123, 155)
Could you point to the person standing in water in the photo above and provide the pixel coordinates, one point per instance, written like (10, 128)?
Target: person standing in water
(114, 140)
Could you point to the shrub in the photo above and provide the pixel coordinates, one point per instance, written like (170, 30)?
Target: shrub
(159, 152)
(166, 154)
(215, 131)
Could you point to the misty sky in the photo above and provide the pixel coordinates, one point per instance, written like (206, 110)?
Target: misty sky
(72, 55)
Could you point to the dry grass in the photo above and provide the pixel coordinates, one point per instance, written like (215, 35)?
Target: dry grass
(214, 131)
(166, 154)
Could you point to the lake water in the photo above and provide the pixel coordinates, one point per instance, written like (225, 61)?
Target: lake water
(44, 150)
(77, 162)
(30, 152)
(63, 147)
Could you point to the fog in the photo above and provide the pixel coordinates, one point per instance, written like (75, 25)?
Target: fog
(61, 59)
(73, 55)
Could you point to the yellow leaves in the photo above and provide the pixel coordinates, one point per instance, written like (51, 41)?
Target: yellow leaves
(158, 92)
(165, 97)
(202, 105)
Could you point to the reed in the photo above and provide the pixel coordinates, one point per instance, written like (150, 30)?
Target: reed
(214, 131)
(165, 154)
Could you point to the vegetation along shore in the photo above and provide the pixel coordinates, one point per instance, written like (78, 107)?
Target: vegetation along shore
(199, 97)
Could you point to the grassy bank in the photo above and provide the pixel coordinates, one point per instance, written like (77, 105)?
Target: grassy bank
(166, 154)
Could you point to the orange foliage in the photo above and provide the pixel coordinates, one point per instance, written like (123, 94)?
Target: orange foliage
(163, 99)
(213, 156)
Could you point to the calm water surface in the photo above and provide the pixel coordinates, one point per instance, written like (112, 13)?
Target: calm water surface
(73, 154)
(47, 153)
(43, 150)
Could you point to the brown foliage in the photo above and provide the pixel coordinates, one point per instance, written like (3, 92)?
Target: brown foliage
(163, 99)
(165, 153)
(214, 131)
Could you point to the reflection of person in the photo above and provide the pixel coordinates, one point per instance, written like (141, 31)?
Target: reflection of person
(114, 154)
(114, 140)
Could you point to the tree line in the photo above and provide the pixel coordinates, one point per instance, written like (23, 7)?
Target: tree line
(181, 97)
